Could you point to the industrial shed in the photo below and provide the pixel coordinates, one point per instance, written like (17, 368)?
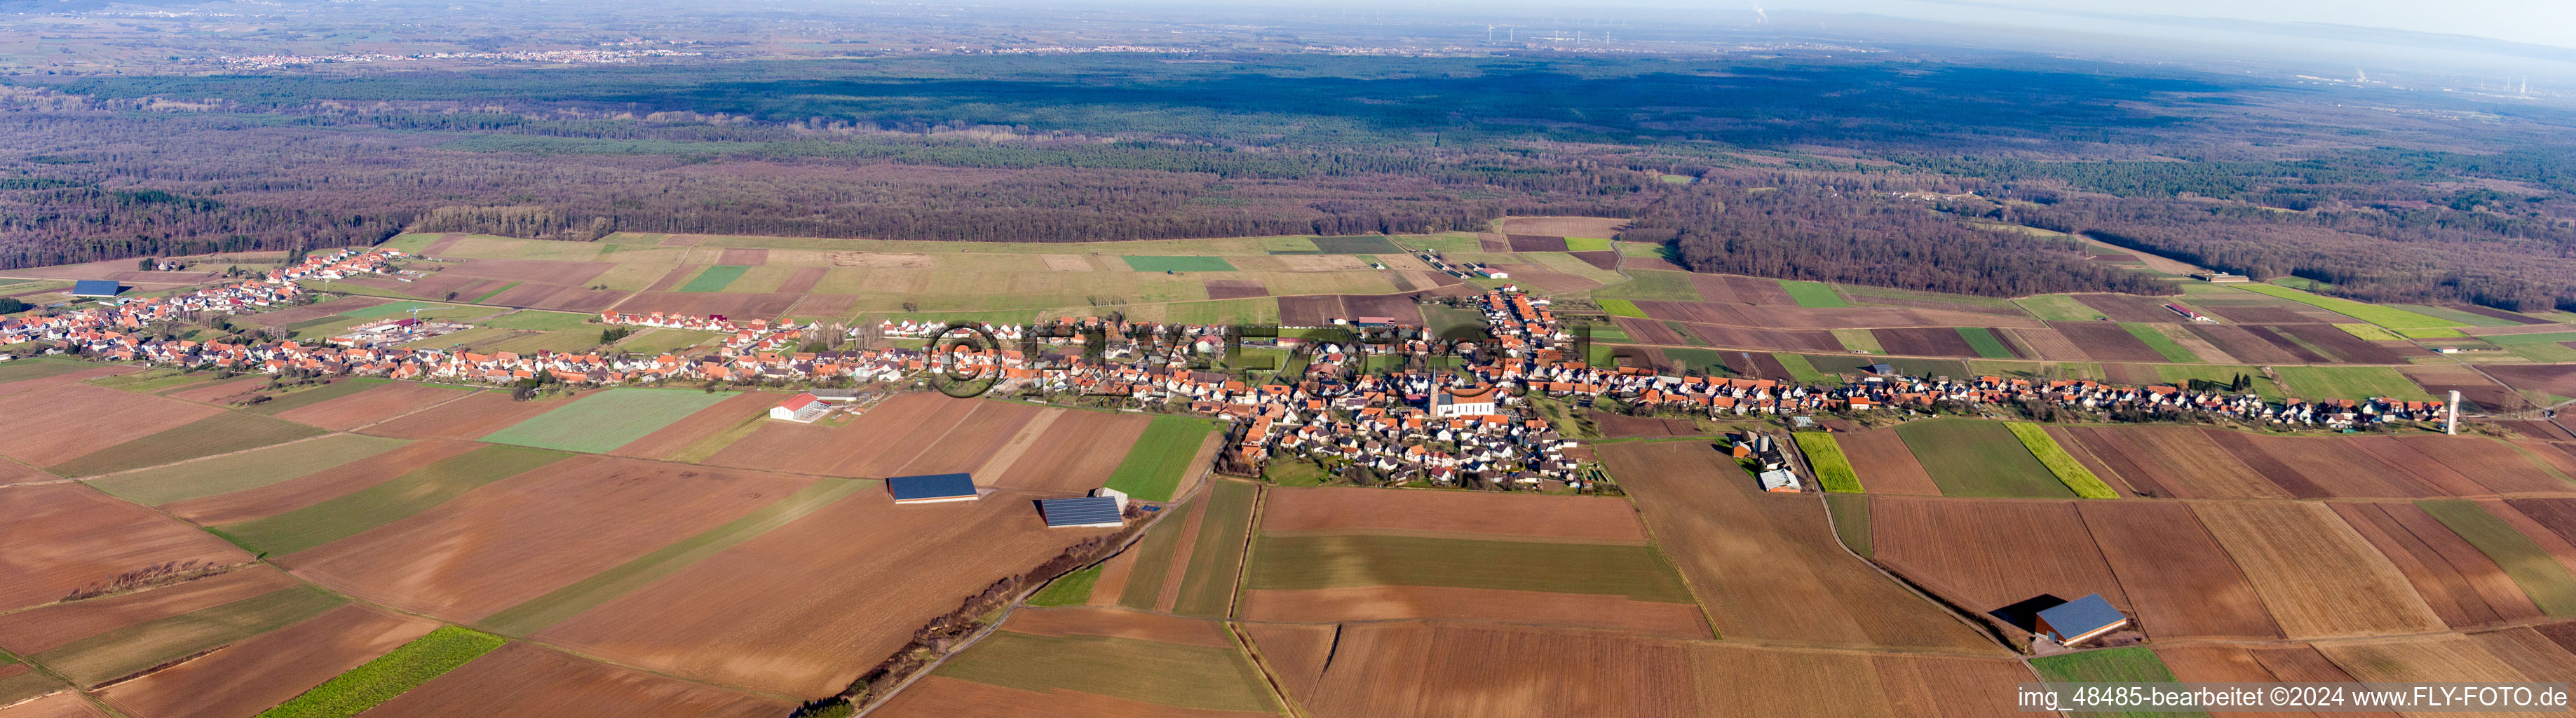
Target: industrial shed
(1103, 508)
(2080, 619)
(96, 288)
(931, 488)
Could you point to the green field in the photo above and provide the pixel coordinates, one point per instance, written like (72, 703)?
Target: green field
(389, 675)
(125, 651)
(439, 310)
(2057, 308)
(563, 603)
(401, 496)
(1813, 294)
(1364, 244)
(1804, 372)
(25, 369)
(1705, 360)
(1207, 589)
(1154, 466)
(221, 433)
(1861, 340)
(2133, 664)
(1651, 285)
(1154, 552)
(602, 422)
(1165, 263)
(2432, 333)
(2373, 332)
(1832, 468)
(2375, 314)
(1969, 457)
(544, 321)
(2069, 471)
(714, 279)
(246, 470)
(1073, 589)
(1342, 560)
(300, 397)
(149, 381)
(1851, 521)
(665, 341)
(2155, 339)
(1172, 674)
(1621, 308)
(2468, 318)
(2537, 347)
(1910, 366)
(1587, 244)
(2349, 382)
(24, 684)
(1986, 343)
(2541, 576)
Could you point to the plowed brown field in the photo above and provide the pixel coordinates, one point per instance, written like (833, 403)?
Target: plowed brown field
(65, 704)
(2174, 462)
(467, 418)
(2557, 546)
(1648, 331)
(2312, 468)
(1312, 510)
(804, 608)
(1119, 623)
(530, 270)
(2559, 379)
(2129, 307)
(679, 435)
(2179, 581)
(248, 677)
(883, 439)
(1884, 464)
(525, 681)
(2347, 347)
(1794, 317)
(2488, 462)
(943, 697)
(2241, 343)
(2105, 341)
(1069, 455)
(1379, 603)
(2318, 577)
(1768, 566)
(65, 536)
(1617, 426)
(1925, 341)
(1745, 290)
(56, 424)
(315, 487)
(1986, 555)
(42, 629)
(2461, 585)
(524, 536)
(559, 297)
(2047, 344)
(973, 442)
(371, 406)
(2409, 458)
(2213, 663)
(1816, 340)
(2443, 658)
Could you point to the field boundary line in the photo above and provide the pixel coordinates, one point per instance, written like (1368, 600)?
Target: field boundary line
(1955, 612)
(1252, 651)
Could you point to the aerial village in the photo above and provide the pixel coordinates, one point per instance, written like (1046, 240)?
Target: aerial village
(1474, 419)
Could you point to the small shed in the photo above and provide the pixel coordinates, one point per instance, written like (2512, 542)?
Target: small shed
(1780, 480)
(96, 288)
(932, 488)
(2080, 619)
(801, 408)
(1101, 511)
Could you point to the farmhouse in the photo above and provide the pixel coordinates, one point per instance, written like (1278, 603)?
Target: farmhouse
(1463, 402)
(801, 408)
(1102, 508)
(1780, 481)
(931, 488)
(96, 288)
(2081, 619)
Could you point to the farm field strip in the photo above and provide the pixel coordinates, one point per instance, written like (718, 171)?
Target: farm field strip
(1208, 586)
(1987, 345)
(389, 675)
(523, 680)
(402, 496)
(1833, 470)
(2350, 382)
(564, 603)
(204, 437)
(2149, 335)
(602, 422)
(1187, 676)
(1979, 458)
(1343, 561)
(304, 397)
(245, 470)
(2372, 313)
(64, 536)
(1152, 566)
(2318, 577)
(124, 651)
(2070, 472)
(1813, 294)
(1160, 459)
(261, 672)
(2549, 584)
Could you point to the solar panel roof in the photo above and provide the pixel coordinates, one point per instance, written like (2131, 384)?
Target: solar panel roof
(2081, 616)
(95, 288)
(1079, 511)
(931, 486)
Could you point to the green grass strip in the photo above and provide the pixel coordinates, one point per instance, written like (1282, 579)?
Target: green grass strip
(1804, 371)
(497, 292)
(1851, 521)
(2372, 332)
(1985, 342)
(1621, 308)
(1832, 468)
(588, 593)
(2059, 462)
(1207, 589)
(2157, 340)
(1973, 457)
(602, 422)
(301, 398)
(2375, 314)
(218, 434)
(2133, 664)
(1154, 466)
(1813, 294)
(1154, 554)
(1074, 589)
(2542, 578)
(401, 496)
(389, 675)
(1346, 560)
(124, 651)
(714, 279)
(246, 470)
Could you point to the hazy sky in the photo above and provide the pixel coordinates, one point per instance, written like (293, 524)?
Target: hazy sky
(2543, 22)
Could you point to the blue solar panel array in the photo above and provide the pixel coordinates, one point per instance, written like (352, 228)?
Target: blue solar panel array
(2081, 616)
(96, 288)
(1079, 511)
(931, 486)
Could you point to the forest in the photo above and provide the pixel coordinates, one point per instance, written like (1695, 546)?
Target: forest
(1801, 165)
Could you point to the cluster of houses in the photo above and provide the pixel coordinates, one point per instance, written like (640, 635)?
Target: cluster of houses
(1463, 270)
(337, 264)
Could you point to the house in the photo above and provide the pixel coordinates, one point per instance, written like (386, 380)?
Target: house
(96, 288)
(1463, 402)
(931, 488)
(2080, 619)
(1085, 511)
(1780, 480)
(801, 408)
